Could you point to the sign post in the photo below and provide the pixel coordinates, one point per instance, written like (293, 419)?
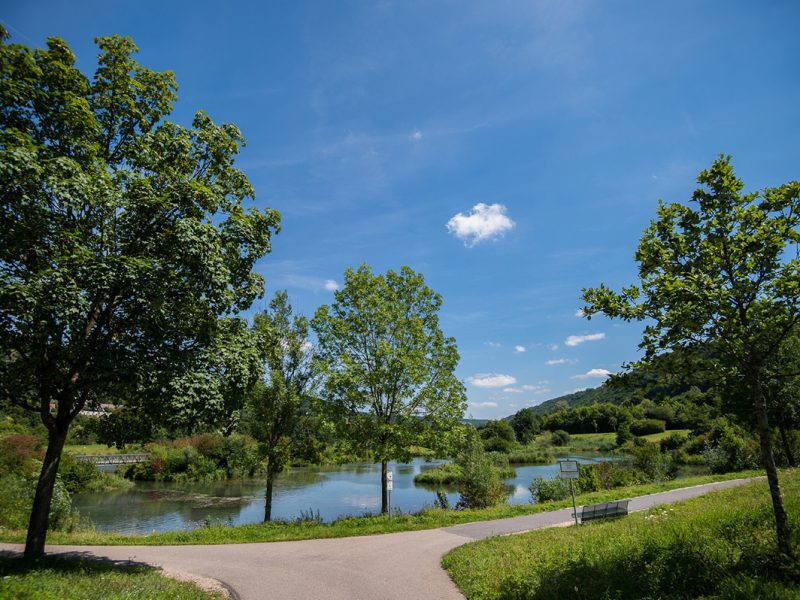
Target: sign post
(389, 486)
(570, 470)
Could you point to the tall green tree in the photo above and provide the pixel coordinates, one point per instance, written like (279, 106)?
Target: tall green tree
(275, 410)
(388, 368)
(123, 236)
(724, 271)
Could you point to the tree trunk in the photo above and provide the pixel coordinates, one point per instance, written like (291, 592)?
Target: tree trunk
(40, 513)
(268, 496)
(384, 491)
(787, 446)
(767, 457)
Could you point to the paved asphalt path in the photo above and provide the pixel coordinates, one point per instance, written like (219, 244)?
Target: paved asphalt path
(401, 566)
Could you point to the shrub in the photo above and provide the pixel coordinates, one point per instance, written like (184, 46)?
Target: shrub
(727, 450)
(480, 485)
(16, 498)
(652, 464)
(20, 455)
(498, 444)
(560, 438)
(548, 490)
(673, 442)
(647, 426)
(624, 434)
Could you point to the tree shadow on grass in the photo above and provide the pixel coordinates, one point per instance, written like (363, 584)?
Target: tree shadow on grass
(13, 563)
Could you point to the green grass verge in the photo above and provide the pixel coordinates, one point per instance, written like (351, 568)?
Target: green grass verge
(720, 545)
(353, 526)
(58, 578)
(90, 449)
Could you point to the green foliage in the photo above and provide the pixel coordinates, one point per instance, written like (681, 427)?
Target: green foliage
(647, 426)
(560, 438)
(720, 545)
(207, 457)
(124, 238)
(595, 418)
(728, 448)
(86, 477)
(480, 485)
(549, 490)
(20, 454)
(389, 370)
(721, 275)
(526, 425)
(530, 455)
(16, 498)
(624, 434)
(652, 463)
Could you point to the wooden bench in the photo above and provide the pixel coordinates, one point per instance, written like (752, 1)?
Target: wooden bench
(604, 510)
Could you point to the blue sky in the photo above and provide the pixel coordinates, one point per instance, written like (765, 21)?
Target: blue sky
(551, 128)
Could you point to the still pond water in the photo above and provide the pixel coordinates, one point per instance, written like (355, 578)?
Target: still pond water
(331, 491)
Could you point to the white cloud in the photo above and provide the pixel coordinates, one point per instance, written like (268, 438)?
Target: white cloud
(331, 285)
(415, 136)
(491, 380)
(579, 313)
(560, 361)
(593, 373)
(511, 390)
(512, 405)
(552, 347)
(493, 344)
(483, 404)
(484, 222)
(519, 349)
(575, 340)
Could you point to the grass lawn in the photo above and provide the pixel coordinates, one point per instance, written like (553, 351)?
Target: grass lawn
(57, 578)
(346, 527)
(90, 449)
(721, 545)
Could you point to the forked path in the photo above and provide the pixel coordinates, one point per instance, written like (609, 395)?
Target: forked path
(402, 566)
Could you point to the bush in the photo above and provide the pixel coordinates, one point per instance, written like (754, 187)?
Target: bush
(480, 485)
(16, 498)
(549, 490)
(624, 434)
(498, 444)
(652, 464)
(20, 455)
(560, 438)
(647, 426)
(727, 449)
(673, 442)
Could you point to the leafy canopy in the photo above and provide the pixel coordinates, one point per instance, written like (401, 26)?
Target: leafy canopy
(388, 368)
(123, 236)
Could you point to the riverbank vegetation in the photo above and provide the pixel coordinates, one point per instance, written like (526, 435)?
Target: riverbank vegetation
(60, 578)
(721, 545)
(313, 528)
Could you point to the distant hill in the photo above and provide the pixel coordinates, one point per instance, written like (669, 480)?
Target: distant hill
(604, 393)
(475, 422)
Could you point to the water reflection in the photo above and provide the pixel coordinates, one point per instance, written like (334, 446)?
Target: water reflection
(332, 491)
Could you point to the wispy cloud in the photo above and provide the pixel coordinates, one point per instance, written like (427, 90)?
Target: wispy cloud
(415, 136)
(519, 349)
(483, 404)
(560, 361)
(552, 347)
(536, 389)
(575, 340)
(331, 285)
(492, 344)
(491, 380)
(484, 222)
(593, 373)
